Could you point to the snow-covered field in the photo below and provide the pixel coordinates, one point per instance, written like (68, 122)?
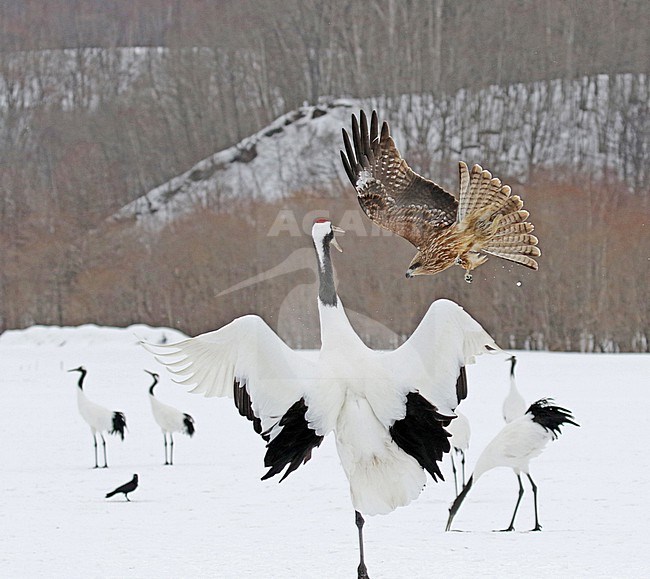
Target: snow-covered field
(210, 515)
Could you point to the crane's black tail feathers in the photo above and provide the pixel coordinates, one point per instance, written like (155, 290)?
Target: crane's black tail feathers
(109, 495)
(188, 421)
(421, 433)
(119, 424)
(549, 416)
(294, 443)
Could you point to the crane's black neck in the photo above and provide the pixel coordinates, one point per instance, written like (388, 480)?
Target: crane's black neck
(326, 289)
(513, 362)
(155, 381)
(83, 373)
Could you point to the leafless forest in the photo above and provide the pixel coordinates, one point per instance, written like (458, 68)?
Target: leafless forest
(100, 101)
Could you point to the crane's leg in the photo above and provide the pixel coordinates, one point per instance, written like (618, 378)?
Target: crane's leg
(126, 496)
(104, 446)
(171, 448)
(537, 527)
(462, 464)
(511, 527)
(362, 572)
(453, 468)
(95, 444)
(165, 439)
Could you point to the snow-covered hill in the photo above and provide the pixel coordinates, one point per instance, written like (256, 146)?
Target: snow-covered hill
(295, 152)
(594, 126)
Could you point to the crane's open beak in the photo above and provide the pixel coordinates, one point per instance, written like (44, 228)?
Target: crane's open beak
(335, 243)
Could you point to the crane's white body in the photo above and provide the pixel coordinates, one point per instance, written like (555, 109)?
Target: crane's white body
(168, 418)
(99, 419)
(359, 402)
(514, 446)
(514, 404)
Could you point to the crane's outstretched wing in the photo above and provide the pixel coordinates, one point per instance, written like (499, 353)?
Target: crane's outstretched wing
(391, 194)
(247, 361)
(432, 360)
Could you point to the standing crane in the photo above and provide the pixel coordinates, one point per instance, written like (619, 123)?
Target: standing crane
(169, 419)
(514, 404)
(99, 419)
(387, 410)
(514, 446)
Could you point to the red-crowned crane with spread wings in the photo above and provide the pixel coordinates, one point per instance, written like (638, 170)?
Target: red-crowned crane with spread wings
(486, 218)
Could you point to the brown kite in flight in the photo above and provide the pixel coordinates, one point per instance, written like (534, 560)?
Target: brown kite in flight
(486, 219)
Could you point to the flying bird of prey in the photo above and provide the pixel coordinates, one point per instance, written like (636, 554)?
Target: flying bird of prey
(486, 218)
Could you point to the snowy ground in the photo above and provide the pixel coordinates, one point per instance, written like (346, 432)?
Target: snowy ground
(211, 516)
